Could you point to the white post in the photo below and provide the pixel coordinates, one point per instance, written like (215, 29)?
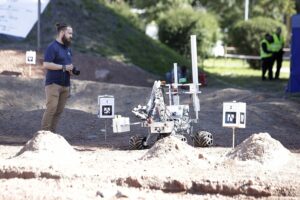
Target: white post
(194, 59)
(175, 96)
(246, 10)
(175, 75)
(195, 75)
(170, 94)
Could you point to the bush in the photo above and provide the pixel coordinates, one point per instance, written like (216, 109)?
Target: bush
(247, 35)
(178, 23)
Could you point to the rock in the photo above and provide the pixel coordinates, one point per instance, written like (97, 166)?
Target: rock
(98, 193)
(120, 195)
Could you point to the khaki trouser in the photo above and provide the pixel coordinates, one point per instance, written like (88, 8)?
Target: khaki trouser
(56, 98)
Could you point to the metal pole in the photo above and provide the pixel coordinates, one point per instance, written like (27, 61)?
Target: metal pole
(233, 136)
(194, 60)
(246, 10)
(196, 101)
(175, 95)
(30, 70)
(39, 26)
(105, 129)
(170, 94)
(175, 75)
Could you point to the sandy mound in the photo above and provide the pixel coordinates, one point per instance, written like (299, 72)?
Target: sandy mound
(46, 155)
(172, 150)
(260, 147)
(49, 146)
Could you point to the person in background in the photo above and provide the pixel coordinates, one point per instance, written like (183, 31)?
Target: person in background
(183, 75)
(58, 62)
(277, 48)
(266, 56)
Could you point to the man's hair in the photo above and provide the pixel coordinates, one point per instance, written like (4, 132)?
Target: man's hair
(61, 26)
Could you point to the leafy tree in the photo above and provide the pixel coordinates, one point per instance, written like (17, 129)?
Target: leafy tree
(178, 23)
(229, 12)
(155, 7)
(155, 3)
(275, 9)
(247, 35)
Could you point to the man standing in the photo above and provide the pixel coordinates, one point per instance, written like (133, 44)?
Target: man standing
(58, 62)
(266, 56)
(277, 48)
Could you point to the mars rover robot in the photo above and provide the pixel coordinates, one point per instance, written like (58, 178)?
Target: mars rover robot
(175, 118)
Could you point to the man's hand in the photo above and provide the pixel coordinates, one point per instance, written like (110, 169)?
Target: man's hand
(69, 68)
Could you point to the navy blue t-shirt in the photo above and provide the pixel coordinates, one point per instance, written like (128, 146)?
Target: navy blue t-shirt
(59, 54)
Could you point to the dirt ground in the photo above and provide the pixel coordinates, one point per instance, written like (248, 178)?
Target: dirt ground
(82, 165)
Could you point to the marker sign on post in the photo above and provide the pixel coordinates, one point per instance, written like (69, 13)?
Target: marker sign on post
(234, 114)
(107, 104)
(31, 57)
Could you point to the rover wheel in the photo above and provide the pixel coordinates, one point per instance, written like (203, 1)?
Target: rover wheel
(137, 142)
(202, 139)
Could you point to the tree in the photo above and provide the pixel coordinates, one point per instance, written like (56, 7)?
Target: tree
(229, 12)
(155, 7)
(247, 35)
(155, 3)
(275, 9)
(177, 24)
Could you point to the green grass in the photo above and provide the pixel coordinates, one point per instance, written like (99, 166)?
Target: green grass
(237, 73)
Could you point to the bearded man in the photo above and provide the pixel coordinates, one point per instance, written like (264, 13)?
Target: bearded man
(58, 63)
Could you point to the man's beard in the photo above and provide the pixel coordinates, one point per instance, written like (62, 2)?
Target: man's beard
(67, 42)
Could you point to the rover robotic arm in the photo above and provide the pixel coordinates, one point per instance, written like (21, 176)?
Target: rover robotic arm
(155, 105)
(161, 119)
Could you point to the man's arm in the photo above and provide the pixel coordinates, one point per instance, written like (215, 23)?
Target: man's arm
(53, 66)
